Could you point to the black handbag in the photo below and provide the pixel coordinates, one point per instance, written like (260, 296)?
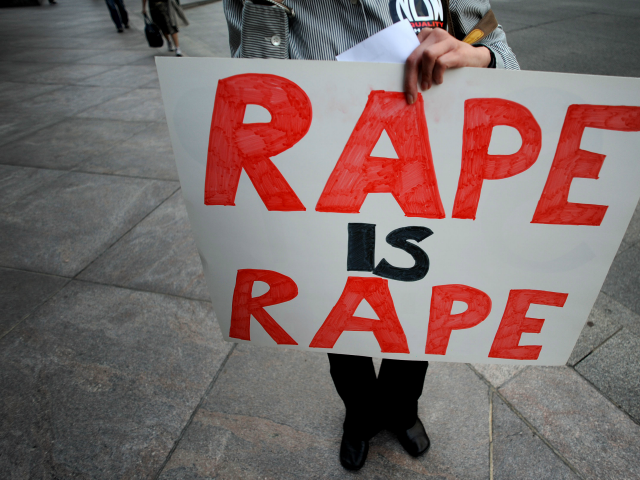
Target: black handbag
(153, 33)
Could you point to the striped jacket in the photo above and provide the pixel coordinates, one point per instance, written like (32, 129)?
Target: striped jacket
(322, 29)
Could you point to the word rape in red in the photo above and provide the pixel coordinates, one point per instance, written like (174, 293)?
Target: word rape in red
(387, 329)
(410, 178)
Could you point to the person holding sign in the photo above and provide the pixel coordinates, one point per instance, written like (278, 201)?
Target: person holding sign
(459, 34)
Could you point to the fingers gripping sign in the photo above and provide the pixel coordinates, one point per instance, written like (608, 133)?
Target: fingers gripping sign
(437, 52)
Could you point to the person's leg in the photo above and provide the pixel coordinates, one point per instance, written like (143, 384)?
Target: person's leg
(124, 16)
(115, 16)
(400, 383)
(355, 380)
(160, 19)
(177, 44)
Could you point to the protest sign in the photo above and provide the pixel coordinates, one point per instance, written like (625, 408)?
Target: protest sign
(476, 225)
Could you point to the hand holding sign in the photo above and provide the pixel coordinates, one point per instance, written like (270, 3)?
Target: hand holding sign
(437, 52)
(426, 57)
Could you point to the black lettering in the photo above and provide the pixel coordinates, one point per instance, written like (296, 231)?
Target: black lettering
(399, 239)
(362, 247)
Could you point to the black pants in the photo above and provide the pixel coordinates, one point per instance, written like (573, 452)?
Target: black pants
(390, 401)
(118, 12)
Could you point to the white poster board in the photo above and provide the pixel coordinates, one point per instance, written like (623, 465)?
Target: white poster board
(299, 253)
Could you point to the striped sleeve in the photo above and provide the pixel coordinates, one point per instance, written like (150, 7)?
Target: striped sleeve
(257, 31)
(233, 14)
(467, 13)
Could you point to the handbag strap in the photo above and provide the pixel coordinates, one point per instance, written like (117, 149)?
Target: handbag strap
(484, 27)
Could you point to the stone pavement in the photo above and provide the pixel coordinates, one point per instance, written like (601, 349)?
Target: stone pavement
(111, 362)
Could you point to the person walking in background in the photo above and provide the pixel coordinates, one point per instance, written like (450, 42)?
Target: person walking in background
(163, 14)
(119, 14)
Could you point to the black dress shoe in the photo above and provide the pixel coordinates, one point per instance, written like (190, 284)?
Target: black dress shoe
(414, 440)
(353, 452)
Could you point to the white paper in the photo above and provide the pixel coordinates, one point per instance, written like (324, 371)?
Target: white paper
(391, 45)
(499, 251)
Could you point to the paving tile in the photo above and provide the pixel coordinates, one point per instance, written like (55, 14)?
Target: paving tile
(33, 42)
(605, 319)
(252, 373)
(511, 23)
(67, 143)
(47, 55)
(519, 454)
(271, 413)
(147, 154)
(498, 375)
(117, 57)
(621, 314)
(623, 246)
(158, 255)
(608, 53)
(198, 48)
(89, 20)
(510, 14)
(19, 182)
(613, 369)
(128, 76)
(11, 92)
(205, 31)
(632, 235)
(150, 61)
(14, 127)
(69, 31)
(129, 41)
(619, 7)
(51, 42)
(143, 104)
(66, 74)
(455, 411)
(623, 281)
(66, 101)
(100, 381)
(543, 12)
(22, 292)
(152, 84)
(275, 414)
(67, 223)
(599, 440)
(107, 31)
(607, 26)
(15, 71)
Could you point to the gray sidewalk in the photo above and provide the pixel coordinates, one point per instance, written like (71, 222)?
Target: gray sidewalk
(111, 361)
